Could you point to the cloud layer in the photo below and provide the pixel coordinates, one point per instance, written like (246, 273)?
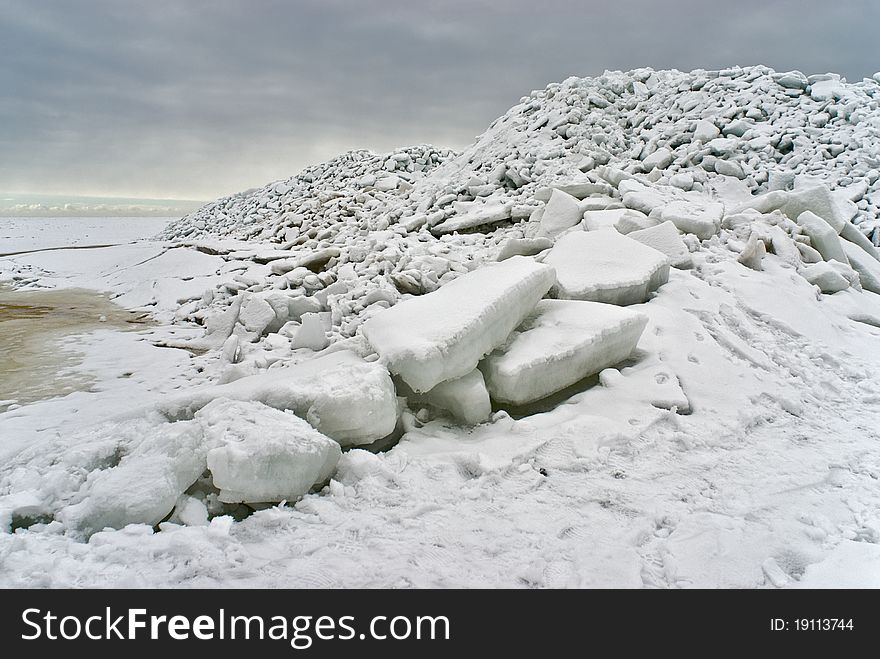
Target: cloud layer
(201, 98)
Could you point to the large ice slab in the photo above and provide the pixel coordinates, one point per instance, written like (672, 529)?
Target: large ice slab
(340, 394)
(261, 454)
(443, 335)
(605, 266)
(560, 343)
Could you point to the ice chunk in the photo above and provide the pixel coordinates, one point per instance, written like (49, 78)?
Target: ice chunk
(702, 220)
(818, 200)
(852, 234)
(706, 131)
(607, 219)
(523, 247)
(470, 215)
(822, 236)
(562, 212)
(466, 398)
(340, 394)
(580, 187)
(605, 266)
(753, 253)
(311, 333)
(665, 238)
(440, 336)
(146, 484)
(827, 278)
(560, 343)
(256, 314)
(634, 221)
(862, 263)
(260, 454)
(660, 159)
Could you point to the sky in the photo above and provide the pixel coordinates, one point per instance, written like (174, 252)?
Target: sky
(194, 99)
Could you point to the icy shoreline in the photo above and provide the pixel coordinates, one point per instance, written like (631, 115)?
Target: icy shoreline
(728, 441)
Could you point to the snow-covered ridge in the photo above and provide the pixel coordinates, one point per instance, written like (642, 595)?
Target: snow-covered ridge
(406, 222)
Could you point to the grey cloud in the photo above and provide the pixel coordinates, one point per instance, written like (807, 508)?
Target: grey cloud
(198, 98)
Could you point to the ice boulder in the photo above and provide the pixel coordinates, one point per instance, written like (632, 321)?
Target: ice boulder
(466, 398)
(443, 335)
(822, 236)
(344, 397)
(561, 212)
(145, 485)
(665, 238)
(605, 266)
(559, 344)
(261, 454)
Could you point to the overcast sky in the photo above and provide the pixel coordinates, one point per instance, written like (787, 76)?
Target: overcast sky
(196, 99)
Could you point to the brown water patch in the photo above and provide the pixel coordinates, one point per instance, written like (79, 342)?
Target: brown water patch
(38, 334)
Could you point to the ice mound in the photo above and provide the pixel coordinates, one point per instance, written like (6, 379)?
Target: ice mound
(340, 394)
(263, 455)
(443, 335)
(560, 343)
(605, 266)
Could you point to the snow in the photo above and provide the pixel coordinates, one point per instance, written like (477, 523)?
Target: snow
(559, 344)
(260, 454)
(605, 266)
(441, 336)
(735, 446)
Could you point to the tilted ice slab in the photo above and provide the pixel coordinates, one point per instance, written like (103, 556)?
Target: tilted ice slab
(443, 335)
(561, 212)
(340, 394)
(605, 266)
(261, 454)
(665, 238)
(864, 264)
(560, 343)
(822, 235)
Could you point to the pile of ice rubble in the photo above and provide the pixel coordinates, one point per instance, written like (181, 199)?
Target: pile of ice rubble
(374, 293)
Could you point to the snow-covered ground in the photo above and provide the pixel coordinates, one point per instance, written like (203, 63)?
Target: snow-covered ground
(732, 442)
